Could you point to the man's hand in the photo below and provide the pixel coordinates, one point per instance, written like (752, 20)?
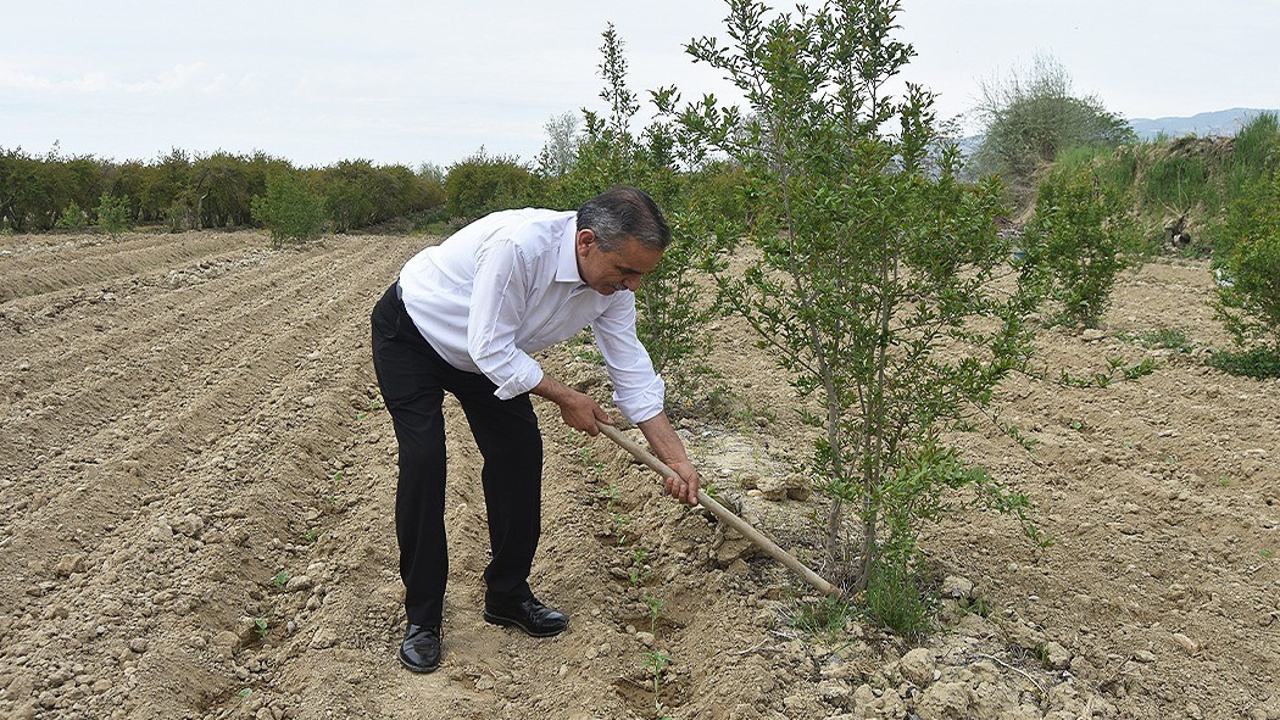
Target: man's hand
(670, 450)
(684, 487)
(579, 410)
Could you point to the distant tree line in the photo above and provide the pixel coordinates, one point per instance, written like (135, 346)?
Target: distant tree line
(185, 191)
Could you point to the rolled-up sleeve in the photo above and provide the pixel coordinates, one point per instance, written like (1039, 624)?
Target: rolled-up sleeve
(497, 308)
(638, 391)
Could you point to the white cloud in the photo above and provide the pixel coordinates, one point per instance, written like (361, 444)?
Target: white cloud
(102, 82)
(217, 86)
(12, 78)
(173, 80)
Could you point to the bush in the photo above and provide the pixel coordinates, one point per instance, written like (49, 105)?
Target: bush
(72, 218)
(893, 600)
(1249, 275)
(1250, 295)
(1078, 234)
(484, 183)
(1259, 363)
(162, 185)
(113, 214)
(1029, 121)
(288, 210)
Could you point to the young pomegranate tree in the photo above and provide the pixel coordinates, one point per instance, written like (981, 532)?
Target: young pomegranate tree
(876, 278)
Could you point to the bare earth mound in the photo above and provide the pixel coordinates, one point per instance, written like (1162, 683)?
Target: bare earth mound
(196, 487)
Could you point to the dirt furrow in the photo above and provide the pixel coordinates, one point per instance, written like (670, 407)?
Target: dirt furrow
(156, 403)
(186, 350)
(146, 408)
(23, 275)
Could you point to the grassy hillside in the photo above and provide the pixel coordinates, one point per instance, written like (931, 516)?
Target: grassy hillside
(1182, 190)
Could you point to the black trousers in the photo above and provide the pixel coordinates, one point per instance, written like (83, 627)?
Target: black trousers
(413, 378)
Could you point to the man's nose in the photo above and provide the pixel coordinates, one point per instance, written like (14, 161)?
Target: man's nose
(631, 282)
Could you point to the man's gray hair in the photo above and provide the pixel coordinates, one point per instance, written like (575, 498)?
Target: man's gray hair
(623, 212)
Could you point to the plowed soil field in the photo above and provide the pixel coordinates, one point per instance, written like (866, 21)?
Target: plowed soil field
(197, 478)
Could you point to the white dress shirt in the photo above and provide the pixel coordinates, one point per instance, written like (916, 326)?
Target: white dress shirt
(506, 286)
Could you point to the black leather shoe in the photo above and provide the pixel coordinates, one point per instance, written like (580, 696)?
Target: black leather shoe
(420, 651)
(531, 616)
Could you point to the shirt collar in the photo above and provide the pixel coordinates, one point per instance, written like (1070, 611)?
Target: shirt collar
(567, 270)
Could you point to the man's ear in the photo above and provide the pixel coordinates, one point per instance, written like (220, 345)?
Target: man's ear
(586, 238)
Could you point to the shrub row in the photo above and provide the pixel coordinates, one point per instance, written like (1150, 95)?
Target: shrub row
(185, 192)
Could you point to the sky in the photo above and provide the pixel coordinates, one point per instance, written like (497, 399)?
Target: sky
(411, 82)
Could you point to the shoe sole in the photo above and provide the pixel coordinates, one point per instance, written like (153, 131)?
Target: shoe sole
(511, 622)
(420, 669)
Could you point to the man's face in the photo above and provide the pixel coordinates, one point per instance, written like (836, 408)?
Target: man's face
(621, 269)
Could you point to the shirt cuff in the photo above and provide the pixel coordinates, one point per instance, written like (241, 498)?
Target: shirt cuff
(640, 404)
(521, 382)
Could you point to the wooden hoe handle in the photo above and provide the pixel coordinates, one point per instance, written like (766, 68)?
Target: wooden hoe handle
(724, 515)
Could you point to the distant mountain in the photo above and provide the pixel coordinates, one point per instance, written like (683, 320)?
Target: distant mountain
(1221, 122)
